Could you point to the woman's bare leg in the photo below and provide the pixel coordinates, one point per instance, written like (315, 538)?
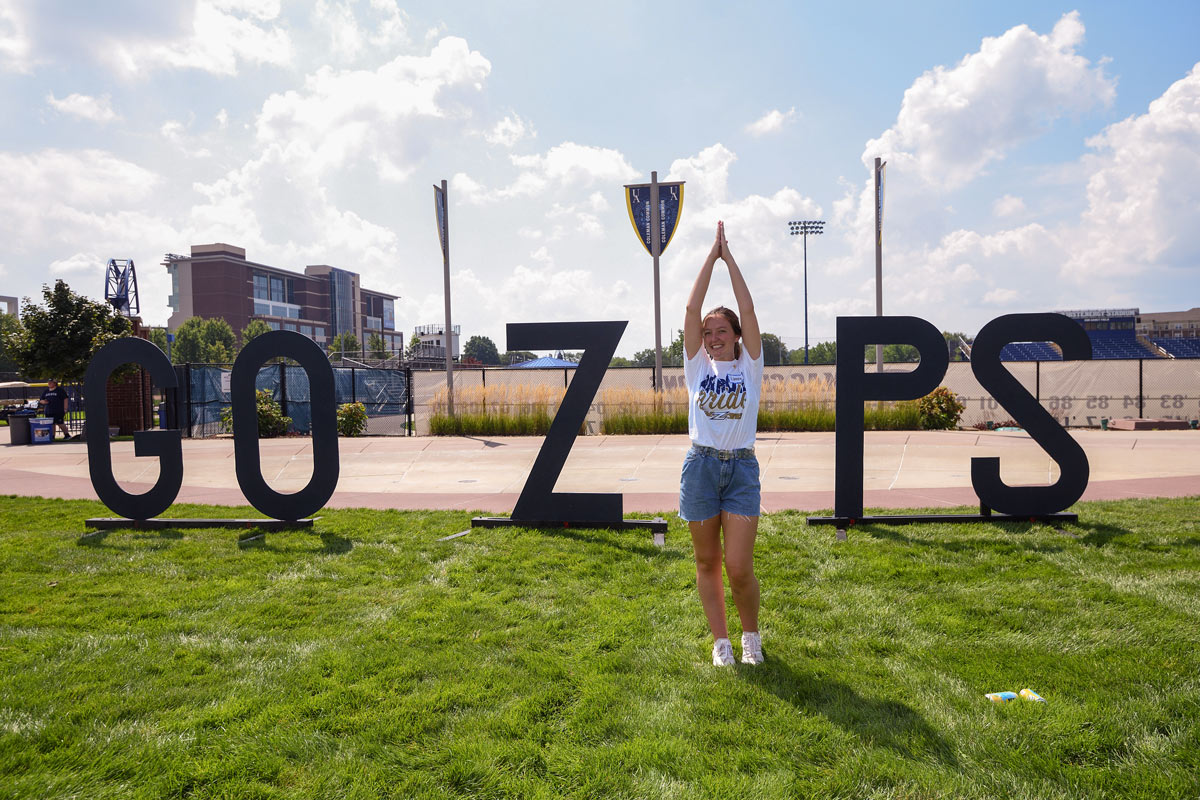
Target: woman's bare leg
(706, 542)
(740, 533)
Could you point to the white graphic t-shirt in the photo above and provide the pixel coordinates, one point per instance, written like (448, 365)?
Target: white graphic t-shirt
(723, 400)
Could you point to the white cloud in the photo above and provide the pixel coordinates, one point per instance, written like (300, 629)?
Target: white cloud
(1144, 192)
(97, 109)
(1008, 206)
(1001, 297)
(565, 166)
(578, 165)
(15, 47)
(350, 37)
(771, 122)
(86, 179)
(509, 131)
(954, 123)
(368, 114)
(706, 174)
(175, 132)
(222, 35)
(89, 264)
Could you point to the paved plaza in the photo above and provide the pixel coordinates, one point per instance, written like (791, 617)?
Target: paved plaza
(902, 469)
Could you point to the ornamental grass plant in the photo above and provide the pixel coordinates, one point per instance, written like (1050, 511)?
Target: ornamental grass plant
(634, 411)
(503, 410)
(785, 405)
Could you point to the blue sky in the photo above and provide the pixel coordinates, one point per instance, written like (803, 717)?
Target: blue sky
(1040, 156)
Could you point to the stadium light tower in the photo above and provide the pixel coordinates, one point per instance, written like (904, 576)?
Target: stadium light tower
(803, 228)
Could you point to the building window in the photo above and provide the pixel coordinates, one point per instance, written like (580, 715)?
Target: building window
(261, 291)
(374, 323)
(277, 289)
(319, 331)
(262, 309)
(306, 330)
(289, 326)
(389, 315)
(273, 325)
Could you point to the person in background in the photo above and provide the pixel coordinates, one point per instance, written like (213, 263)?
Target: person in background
(55, 401)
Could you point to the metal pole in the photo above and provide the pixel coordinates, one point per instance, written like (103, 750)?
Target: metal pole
(449, 330)
(656, 251)
(878, 264)
(806, 298)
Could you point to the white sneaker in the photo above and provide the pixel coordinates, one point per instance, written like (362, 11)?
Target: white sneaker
(722, 653)
(752, 648)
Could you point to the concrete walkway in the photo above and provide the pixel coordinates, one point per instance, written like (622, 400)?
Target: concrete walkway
(919, 469)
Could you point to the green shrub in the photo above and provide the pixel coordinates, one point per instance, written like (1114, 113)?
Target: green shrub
(271, 421)
(940, 409)
(352, 419)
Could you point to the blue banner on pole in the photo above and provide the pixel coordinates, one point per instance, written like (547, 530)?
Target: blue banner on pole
(670, 204)
(439, 204)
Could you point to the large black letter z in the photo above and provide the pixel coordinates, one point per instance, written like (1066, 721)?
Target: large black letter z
(598, 340)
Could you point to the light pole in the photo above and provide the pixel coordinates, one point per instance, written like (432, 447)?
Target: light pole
(803, 228)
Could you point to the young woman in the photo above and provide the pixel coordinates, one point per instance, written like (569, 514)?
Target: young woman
(719, 488)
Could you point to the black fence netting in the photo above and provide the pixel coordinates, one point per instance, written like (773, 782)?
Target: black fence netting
(384, 393)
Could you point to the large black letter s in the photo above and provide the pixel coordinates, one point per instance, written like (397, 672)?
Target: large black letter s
(1025, 409)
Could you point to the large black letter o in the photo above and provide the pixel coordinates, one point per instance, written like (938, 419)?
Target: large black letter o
(301, 349)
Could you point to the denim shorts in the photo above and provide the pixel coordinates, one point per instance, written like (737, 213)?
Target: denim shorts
(718, 480)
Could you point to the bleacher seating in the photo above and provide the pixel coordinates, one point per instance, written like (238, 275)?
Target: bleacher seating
(1180, 348)
(1118, 344)
(1029, 351)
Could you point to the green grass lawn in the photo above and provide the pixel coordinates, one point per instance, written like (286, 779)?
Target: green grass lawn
(367, 659)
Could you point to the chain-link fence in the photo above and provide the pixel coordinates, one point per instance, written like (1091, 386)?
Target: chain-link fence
(1077, 393)
(401, 401)
(384, 393)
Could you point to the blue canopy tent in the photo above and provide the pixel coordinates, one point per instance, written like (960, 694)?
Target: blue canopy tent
(546, 362)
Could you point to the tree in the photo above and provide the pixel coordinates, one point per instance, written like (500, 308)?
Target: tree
(58, 340)
(892, 353)
(377, 346)
(819, 353)
(204, 341)
(672, 354)
(158, 338)
(414, 346)
(644, 358)
(774, 351)
(256, 328)
(954, 340)
(619, 361)
(482, 349)
(344, 342)
(10, 326)
(516, 357)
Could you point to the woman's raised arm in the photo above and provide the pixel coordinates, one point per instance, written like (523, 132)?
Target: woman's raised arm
(693, 336)
(751, 336)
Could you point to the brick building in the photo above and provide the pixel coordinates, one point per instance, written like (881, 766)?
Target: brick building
(216, 280)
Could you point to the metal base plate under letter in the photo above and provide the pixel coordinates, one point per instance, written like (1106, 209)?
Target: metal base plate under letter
(911, 519)
(161, 523)
(657, 526)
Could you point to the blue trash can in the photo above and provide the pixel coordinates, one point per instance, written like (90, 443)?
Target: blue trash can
(41, 430)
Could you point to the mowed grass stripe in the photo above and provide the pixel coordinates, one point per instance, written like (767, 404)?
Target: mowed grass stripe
(368, 659)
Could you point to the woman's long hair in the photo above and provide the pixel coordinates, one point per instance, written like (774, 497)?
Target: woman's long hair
(732, 318)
